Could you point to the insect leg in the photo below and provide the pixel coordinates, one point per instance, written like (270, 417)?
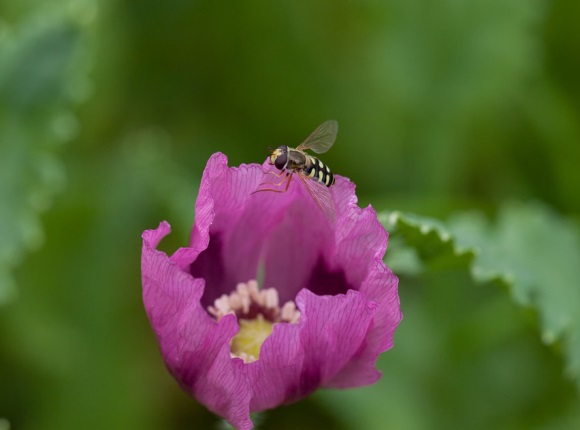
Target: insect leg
(288, 178)
(279, 183)
(276, 174)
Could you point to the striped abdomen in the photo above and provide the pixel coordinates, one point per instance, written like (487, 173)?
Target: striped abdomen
(319, 172)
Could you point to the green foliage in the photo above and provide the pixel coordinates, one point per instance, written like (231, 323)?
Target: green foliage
(42, 74)
(530, 250)
(535, 253)
(429, 238)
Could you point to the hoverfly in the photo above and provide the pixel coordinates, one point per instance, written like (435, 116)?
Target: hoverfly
(315, 175)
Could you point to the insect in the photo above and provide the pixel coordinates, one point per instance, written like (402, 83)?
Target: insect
(314, 174)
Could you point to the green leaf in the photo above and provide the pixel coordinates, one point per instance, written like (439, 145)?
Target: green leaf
(530, 250)
(42, 75)
(536, 254)
(433, 243)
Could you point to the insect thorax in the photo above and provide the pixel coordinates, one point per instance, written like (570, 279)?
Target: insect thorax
(296, 159)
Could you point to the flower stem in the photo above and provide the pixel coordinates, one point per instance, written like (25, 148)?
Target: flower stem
(257, 419)
(224, 425)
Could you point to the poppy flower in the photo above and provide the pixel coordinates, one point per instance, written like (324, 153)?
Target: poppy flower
(324, 308)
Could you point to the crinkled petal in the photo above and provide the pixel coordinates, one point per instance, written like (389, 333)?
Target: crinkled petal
(298, 358)
(361, 244)
(235, 229)
(195, 347)
(360, 237)
(381, 286)
(224, 259)
(295, 247)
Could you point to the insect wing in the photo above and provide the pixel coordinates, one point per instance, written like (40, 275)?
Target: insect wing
(322, 138)
(321, 195)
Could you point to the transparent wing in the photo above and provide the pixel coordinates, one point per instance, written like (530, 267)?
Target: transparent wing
(321, 195)
(322, 138)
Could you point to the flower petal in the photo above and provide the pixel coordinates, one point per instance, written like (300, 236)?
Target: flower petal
(300, 243)
(298, 358)
(223, 197)
(361, 245)
(381, 287)
(195, 347)
(231, 224)
(235, 229)
(360, 237)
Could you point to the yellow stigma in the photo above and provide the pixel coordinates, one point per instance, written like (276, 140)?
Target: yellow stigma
(248, 341)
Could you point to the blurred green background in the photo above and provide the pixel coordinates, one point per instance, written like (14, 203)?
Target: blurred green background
(109, 110)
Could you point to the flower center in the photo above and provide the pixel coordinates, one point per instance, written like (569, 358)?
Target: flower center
(248, 341)
(257, 312)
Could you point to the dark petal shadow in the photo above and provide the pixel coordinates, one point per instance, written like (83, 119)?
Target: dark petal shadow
(324, 281)
(209, 265)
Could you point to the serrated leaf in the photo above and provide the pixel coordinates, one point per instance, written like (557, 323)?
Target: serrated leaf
(433, 242)
(531, 250)
(536, 254)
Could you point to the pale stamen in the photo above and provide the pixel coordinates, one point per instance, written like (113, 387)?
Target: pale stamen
(257, 311)
(248, 299)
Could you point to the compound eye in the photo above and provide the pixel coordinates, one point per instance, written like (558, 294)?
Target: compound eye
(280, 161)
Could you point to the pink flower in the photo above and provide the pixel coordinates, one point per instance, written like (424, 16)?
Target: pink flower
(329, 305)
